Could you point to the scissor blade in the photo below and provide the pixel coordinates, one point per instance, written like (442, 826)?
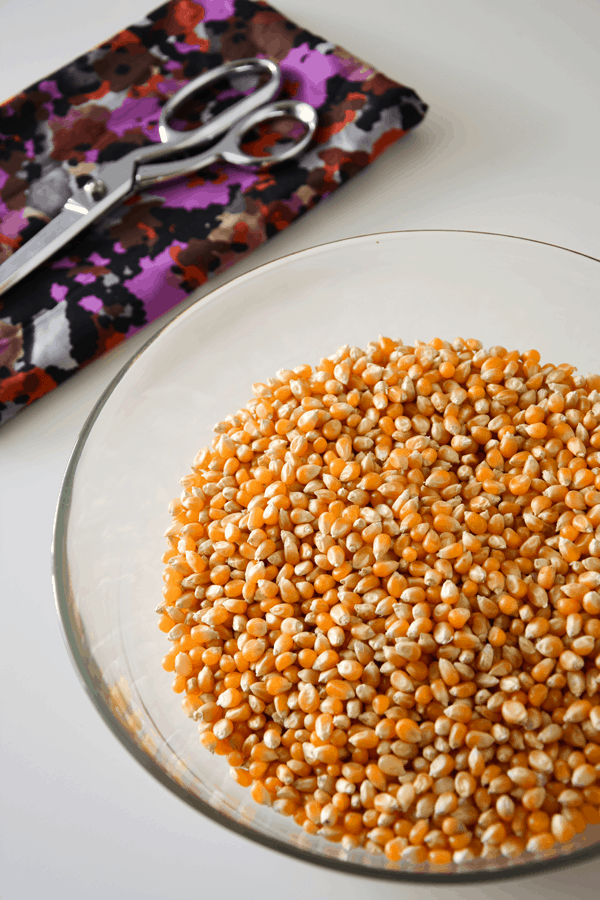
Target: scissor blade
(79, 211)
(41, 247)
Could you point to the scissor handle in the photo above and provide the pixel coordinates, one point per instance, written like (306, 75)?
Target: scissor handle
(171, 139)
(230, 147)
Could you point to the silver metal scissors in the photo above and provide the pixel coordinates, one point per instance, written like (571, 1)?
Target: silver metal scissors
(154, 164)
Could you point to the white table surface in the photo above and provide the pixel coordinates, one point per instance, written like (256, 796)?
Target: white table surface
(510, 145)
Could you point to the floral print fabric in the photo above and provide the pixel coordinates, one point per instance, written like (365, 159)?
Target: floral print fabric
(154, 249)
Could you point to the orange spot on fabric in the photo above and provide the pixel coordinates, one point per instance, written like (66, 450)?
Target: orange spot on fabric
(265, 180)
(329, 182)
(240, 230)
(36, 383)
(199, 180)
(201, 43)
(148, 87)
(260, 145)
(390, 137)
(323, 134)
(107, 339)
(188, 14)
(194, 275)
(148, 231)
(123, 39)
(12, 242)
(113, 340)
(190, 273)
(330, 171)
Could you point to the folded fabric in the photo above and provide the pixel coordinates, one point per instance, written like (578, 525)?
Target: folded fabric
(154, 249)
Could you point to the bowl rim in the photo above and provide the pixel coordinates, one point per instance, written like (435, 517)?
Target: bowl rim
(61, 582)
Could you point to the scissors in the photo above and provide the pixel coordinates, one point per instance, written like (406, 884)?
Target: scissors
(155, 164)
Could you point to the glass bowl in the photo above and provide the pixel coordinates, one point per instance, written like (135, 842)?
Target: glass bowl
(159, 411)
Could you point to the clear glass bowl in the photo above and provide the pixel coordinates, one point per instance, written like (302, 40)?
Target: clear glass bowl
(147, 427)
